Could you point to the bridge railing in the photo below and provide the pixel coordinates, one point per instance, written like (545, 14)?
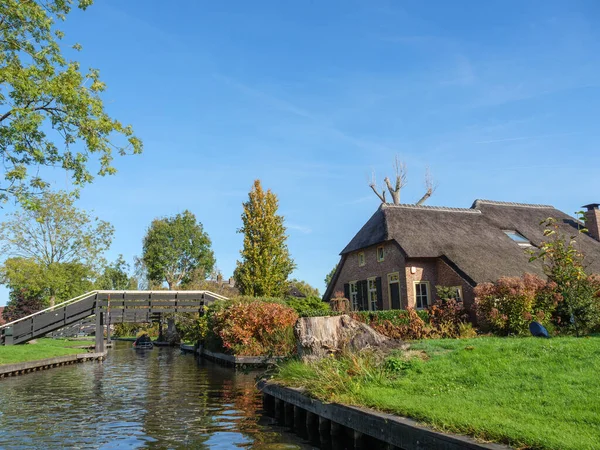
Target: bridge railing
(125, 306)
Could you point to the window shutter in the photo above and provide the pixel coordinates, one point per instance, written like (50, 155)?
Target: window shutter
(347, 291)
(379, 294)
(363, 305)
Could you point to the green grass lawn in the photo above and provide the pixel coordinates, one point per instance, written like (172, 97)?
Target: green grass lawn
(42, 349)
(526, 392)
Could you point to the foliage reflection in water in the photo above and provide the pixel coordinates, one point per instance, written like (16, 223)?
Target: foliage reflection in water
(151, 399)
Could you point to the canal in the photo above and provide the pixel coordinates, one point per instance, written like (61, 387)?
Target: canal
(153, 399)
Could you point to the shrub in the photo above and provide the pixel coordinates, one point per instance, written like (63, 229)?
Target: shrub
(132, 329)
(446, 318)
(307, 304)
(563, 263)
(253, 328)
(510, 304)
(396, 324)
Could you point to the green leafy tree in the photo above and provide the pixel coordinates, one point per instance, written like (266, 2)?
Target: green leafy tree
(303, 287)
(54, 249)
(329, 276)
(51, 113)
(175, 249)
(563, 263)
(115, 277)
(56, 231)
(266, 262)
(45, 282)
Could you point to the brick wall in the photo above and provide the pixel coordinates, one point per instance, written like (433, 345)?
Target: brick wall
(393, 262)
(434, 270)
(446, 276)
(424, 270)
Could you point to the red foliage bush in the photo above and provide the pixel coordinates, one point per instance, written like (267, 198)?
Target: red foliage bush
(255, 328)
(510, 304)
(446, 318)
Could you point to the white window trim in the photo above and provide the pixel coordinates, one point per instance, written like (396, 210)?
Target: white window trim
(389, 276)
(353, 301)
(369, 292)
(382, 253)
(428, 293)
(364, 260)
(460, 292)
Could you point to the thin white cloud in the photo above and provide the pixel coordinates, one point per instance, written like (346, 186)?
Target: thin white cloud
(318, 123)
(301, 228)
(524, 138)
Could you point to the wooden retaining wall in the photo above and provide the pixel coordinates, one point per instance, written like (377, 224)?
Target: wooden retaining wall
(10, 370)
(238, 362)
(334, 426)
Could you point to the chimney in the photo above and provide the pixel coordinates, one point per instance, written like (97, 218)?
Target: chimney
(592, 220)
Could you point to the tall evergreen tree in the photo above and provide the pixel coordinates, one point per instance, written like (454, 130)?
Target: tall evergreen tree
(266, 262)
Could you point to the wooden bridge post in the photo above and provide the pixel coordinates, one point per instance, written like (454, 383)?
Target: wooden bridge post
(99, 327)
(108, 321)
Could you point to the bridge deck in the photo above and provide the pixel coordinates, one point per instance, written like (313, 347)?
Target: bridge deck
(119, 306)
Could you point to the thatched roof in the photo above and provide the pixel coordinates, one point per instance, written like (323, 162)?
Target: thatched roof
(471, 238)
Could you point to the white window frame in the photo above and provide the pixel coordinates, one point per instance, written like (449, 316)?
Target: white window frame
(459, 293)
(372, 289)
(361, 259)
(521, 240)
(428, 297)
(353, 288)
(382, 258)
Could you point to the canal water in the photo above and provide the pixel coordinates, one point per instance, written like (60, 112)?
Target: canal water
(157, 398)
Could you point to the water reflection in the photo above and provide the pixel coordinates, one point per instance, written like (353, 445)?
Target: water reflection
(152, 399)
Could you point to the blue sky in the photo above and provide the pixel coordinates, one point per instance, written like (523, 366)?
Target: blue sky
(500, 99)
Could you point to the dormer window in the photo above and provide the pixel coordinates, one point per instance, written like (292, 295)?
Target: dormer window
(517, 237)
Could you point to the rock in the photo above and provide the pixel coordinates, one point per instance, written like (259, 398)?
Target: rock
(320, 336)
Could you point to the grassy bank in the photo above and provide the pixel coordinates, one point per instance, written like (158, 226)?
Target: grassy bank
(41, 349)
(527, 392)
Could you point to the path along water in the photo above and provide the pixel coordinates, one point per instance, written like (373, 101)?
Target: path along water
(153, 399)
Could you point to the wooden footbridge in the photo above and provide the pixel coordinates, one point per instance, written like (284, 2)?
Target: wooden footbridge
(108, 307)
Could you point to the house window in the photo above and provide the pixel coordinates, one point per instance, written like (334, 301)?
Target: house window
(361, 259)
(458, 296)
(422, 294)
(380, 254)
(354, 295)
(372, 288)
(517, 237)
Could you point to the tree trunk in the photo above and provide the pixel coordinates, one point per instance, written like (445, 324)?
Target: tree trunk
(172, 336)
(321, 336)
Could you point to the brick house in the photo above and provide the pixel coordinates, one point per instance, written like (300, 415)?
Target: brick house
(2, 321)
(403, 252)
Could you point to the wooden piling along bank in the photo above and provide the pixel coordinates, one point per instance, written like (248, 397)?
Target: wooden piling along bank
(237, 362)
(10, 370)
(333, 426)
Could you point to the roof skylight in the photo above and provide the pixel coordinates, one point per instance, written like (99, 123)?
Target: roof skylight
(521, 240)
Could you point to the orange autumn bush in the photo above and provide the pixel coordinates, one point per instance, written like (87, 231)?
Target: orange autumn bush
(254, 328)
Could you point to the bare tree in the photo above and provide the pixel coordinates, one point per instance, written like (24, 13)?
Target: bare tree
(400, 180)
(373, 185)
(430, 185)
(400, 174)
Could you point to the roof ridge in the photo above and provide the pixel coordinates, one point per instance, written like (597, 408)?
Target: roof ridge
(500, 203)
(432, 208)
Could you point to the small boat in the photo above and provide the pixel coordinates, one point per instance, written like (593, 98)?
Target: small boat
(143, 345)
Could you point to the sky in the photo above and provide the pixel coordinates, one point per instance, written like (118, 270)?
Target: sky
(500, 99)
